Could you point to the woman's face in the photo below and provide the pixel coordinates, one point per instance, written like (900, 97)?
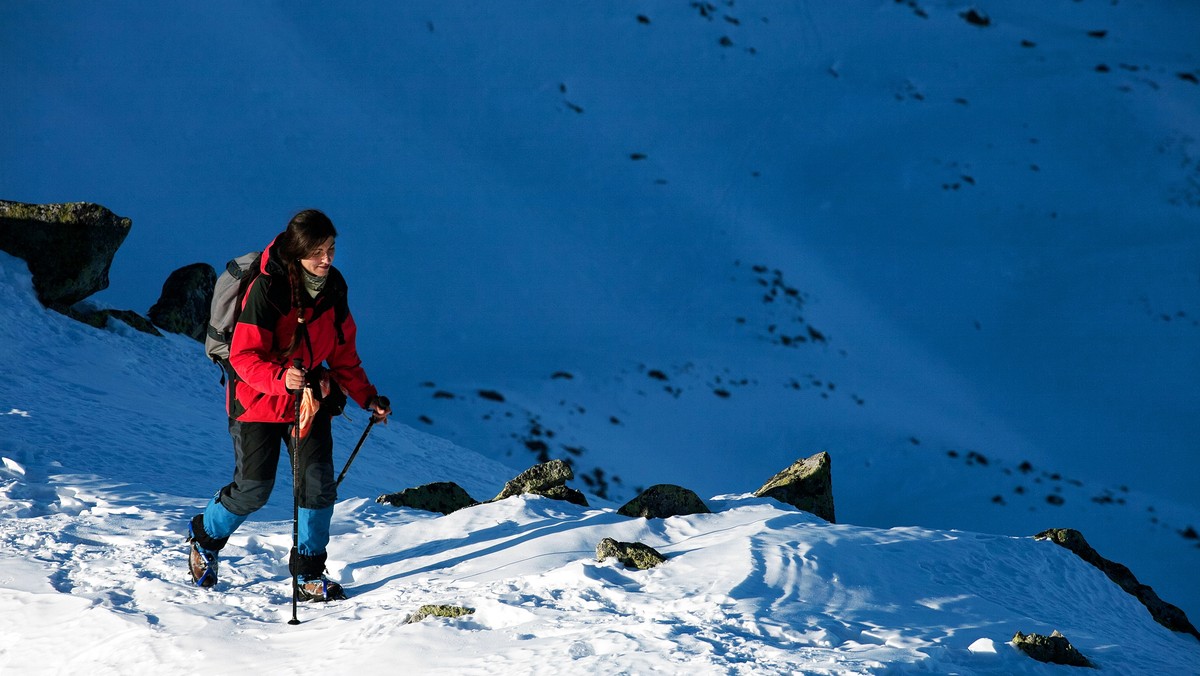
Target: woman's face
(320, 259)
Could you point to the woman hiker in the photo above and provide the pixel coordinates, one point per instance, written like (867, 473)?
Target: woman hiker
(295, 312)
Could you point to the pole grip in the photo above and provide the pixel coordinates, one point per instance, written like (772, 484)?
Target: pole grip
(298, 364)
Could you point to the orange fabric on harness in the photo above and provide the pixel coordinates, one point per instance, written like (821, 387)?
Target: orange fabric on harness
(310, 404)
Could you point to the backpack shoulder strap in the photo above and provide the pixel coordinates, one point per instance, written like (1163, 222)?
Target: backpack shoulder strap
(244, 276)
(341, 305)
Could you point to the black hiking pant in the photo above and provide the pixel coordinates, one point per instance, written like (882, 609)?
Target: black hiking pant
(257, 447)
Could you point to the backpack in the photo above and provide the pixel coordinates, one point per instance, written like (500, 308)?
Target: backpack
(227, 304)
(226, 307)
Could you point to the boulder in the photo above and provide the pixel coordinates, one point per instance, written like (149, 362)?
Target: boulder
(69, 247)
(662, 501)
(631, 554)
(443, 497)
(547, 479)
(1169, 616)
(183, 305)
(1054, 649)
(807, 485)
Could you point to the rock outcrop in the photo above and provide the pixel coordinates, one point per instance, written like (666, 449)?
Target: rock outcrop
(547, 479)
(630, 554)
(183, 305)
(69, 247)
(807, 485)
(1166, 614)
(662, 501)
(1054, 649)
(442, 497)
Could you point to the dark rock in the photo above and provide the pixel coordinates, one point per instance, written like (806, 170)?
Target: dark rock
(442, 497)
(69, 247)
(1169, 616)
(437, 611)
(183, 305)
(135, 320)
(662, 501)
(630, 554)
(94, 318)
(566, 494)
(1054, 649)
(807, 485)
(547, 479)
(99, 318)
(976, 18)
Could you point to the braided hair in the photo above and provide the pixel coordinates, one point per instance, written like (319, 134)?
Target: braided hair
(305, 232)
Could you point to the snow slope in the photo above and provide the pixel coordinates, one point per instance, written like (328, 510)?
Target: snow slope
(113, 439)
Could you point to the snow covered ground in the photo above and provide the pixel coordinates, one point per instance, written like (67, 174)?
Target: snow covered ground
(116, 438)
(623, 219)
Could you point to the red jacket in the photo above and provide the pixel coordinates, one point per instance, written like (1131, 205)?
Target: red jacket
(265, 330)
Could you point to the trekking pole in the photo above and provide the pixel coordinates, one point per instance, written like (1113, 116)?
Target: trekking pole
(355, 451)
(292, 560)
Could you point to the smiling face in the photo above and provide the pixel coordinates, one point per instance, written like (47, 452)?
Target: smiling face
(319, 260)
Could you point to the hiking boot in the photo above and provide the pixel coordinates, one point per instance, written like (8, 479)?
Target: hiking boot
(319, 588)
(202, 563)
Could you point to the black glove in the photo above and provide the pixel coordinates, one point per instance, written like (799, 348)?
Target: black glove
(380, 408)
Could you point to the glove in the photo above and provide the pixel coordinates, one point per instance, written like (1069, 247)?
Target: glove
(380, 408)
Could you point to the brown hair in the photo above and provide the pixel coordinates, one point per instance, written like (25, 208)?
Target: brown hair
(305, 232)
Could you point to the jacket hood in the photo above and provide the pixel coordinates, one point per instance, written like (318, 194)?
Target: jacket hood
(272, 264)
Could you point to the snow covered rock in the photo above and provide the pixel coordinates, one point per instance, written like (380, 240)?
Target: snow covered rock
(69, 247)
(183, 305)
(662, 501)
(1055, 649)
(1166, 614)
(807, 485)
(437, 611)
(630, 554)
(100, 318)
(443, 497)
